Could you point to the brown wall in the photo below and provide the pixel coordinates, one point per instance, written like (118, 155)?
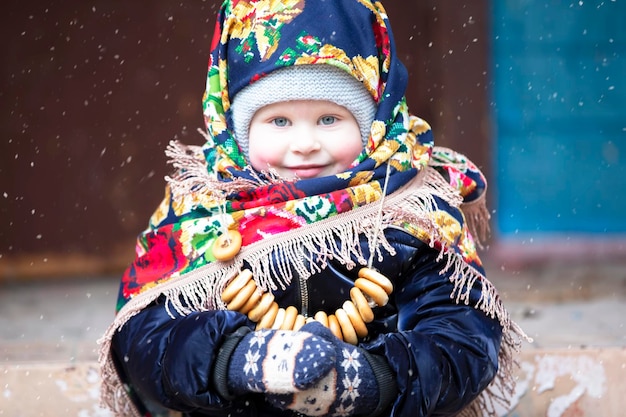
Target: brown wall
(92, 91)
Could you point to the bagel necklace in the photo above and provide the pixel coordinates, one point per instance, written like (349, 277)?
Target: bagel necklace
(371, 289)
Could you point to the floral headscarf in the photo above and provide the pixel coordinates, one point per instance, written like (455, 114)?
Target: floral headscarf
(215, 189)
(295, 226)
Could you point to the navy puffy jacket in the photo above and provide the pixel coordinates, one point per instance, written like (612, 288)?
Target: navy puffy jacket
(442, 353)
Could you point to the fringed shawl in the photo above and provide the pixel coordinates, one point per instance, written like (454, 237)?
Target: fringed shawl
(399, 180)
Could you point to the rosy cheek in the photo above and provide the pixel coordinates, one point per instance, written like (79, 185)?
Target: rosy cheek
(261, 157)
(257, 162)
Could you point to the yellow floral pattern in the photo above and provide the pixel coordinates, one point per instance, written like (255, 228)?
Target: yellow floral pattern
(366, 194)
(261, 22)
(366, 71)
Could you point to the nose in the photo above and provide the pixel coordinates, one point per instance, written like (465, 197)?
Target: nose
(305, 140)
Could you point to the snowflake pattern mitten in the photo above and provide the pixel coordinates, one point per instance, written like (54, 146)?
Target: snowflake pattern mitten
(349, 389)
(279, 362)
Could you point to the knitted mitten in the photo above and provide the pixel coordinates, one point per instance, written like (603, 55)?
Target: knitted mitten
(350, 388)
(279, 362)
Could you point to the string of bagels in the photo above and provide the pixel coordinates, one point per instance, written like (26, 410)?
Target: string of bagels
(348, 323)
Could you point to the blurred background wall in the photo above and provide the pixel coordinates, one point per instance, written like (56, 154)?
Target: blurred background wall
(92, 91)
(559, 140)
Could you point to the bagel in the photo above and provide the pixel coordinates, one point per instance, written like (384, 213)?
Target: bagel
(334, 327)
(373, 291)
(322, 317)
(300, 321)
(268, 318)
(291, 313)
(377, 278)
(264, 305)
(242, 296)
(227, 245)
(360, 302)
(236, 285)
(252, 302)
(355, 318)
(347, 329)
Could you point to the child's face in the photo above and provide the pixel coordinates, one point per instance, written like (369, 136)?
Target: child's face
(304, 138)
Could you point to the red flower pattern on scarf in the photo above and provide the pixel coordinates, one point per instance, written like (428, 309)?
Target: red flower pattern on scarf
(162, 258)
(256, 226)
(272, 194)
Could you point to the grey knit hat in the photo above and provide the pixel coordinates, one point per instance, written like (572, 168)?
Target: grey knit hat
(303, 82)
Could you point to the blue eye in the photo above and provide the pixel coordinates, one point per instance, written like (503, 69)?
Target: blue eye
(280, 121)
(328, 120)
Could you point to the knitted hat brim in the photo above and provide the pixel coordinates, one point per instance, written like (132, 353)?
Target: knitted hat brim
(302, 82)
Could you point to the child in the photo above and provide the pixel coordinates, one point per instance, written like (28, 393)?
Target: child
(314, 257)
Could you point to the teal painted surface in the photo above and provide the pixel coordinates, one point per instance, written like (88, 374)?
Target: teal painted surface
(559, 108)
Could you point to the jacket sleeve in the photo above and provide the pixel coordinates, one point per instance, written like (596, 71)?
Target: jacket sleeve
(168, 360)
(444, 353)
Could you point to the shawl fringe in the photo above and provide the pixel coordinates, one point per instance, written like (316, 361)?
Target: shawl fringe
(192, 174)
(307, 251)
(477, 217)
(191, 169)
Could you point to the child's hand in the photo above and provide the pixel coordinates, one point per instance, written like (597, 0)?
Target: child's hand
(279, 362)
(350, 388)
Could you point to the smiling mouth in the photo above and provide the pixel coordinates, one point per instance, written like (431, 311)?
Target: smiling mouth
(293, 168)
(307, 171)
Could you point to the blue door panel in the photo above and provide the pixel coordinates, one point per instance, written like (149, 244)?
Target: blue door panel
(559, 112)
